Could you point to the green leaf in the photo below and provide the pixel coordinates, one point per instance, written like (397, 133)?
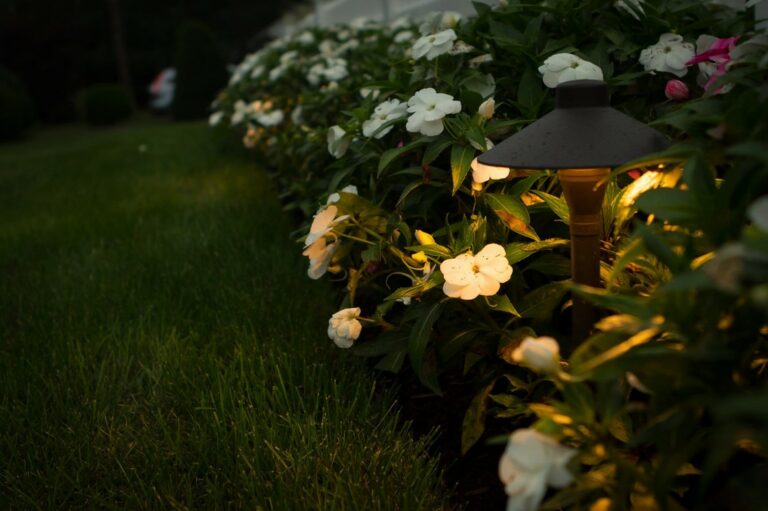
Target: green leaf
(517, 252)
(513, 213)
(461, 158)
(634, 305)
(503, 304)
(540, 303)
(392, 362)
(556, 204)
(699, 177)
(434, 150)
(580, 400)
(508, 204)
(530, 93)
(435, 279)
(473, 425)
(642, 337)
(671, 204)
(391, 154)
(551, 264)
(434, 250)
(419, 339)
(372, 253)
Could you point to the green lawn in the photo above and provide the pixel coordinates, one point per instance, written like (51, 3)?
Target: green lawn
(161, 346)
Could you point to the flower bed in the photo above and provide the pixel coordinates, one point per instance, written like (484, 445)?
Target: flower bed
(459, 272)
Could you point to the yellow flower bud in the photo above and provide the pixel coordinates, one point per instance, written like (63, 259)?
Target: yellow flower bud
(420, 257)
(425, 238)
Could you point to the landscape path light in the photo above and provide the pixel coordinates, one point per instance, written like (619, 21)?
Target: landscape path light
(582, 138)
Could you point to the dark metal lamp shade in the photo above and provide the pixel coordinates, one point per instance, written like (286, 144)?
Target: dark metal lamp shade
(583, 131)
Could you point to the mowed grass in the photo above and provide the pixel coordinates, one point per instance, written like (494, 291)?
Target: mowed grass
(161, 346)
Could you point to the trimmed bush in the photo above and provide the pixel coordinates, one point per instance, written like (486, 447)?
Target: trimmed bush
(200, 68)
(17, 112)
(105, 104)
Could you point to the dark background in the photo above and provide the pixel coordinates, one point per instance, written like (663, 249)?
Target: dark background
(58, 47)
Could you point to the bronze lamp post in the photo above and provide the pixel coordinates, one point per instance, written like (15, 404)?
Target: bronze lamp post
(582, 138)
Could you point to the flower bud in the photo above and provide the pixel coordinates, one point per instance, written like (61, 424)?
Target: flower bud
(420, 257)
(676, 90)
(487, 108)
(540, 354)
(425, 238)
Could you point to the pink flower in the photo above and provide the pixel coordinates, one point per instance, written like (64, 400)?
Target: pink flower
(716, 58)
(676, 90)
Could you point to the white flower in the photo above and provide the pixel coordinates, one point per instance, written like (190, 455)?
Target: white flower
(277, 72)
(237, 75)
(480, 59)
(468, 276)
(334, 197)
(331, 69)
(530, 462)
(215, 118)
(541, 354)
(433, 45)
(365, 92)
(401, 22)
(320, 253)
(387, 111)
(268, 119)
(349, 45)
(404, 36)
(344, 327)
(327, 48)
(241, 109)
(631, 6)
(287, 58)
(338, 141)
(296, 115)
(487, 108)
(257, 71)
(460, 48)
(438, 21)
(566, 67)
(427, 108)
(758, 213)
(323, 223)
(482, 173)
(669, 55)
(306, 37)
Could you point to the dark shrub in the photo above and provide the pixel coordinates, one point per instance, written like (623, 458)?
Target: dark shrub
(105, 103)
(200, 68)
(17, 112)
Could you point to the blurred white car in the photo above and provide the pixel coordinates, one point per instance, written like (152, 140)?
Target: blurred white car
(162, 89)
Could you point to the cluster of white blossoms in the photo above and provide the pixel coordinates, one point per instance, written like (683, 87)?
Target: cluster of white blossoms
(385, 112)
(669, 55)
(428, 108)
(330, 69)
(566, 67)
(469, 276)
(344, 327)
(258, 111)
(531, 462)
